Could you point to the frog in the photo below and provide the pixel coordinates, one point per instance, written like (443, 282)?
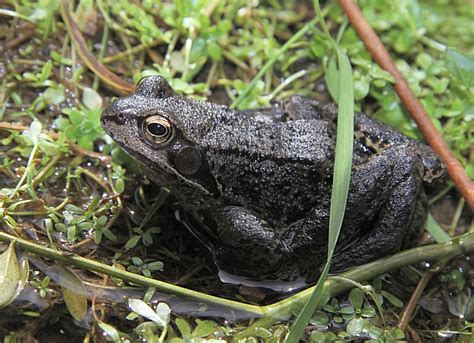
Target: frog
(254, 186)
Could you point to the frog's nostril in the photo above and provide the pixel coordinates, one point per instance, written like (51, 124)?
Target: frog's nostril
(112, 116)
(121, 118)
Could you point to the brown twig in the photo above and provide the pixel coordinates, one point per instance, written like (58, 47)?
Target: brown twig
(415, 297)
(415, 338)
(414, 106)
(74, 147)
(115, 83)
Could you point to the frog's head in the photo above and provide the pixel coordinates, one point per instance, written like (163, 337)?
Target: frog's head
(161, 130)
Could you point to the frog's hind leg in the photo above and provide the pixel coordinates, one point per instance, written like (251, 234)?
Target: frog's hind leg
(382, 216)
(400, 219)
(415, 231)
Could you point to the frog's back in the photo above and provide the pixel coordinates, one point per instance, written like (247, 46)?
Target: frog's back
(277, 163)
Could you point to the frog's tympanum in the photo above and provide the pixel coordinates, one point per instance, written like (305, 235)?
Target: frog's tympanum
(255, 186)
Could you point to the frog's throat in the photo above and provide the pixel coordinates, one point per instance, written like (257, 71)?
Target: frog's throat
(170, 170)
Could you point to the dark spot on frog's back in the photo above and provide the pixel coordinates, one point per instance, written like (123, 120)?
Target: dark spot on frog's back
(277, 175)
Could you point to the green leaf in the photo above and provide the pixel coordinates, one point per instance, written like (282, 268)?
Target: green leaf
(50, 149)
(361, 88)
(132, 242)
(344, 148)
(317, 336)
(396, 334)
(177, 340)
(319, 318)
(109, 234)
(9, 276)
(46, 71)
(330, 337)
(157, 265)
(110, 331)
(460, 65)
(74, 293)
(436, 230)
(177, 61)
(346, 310)
(263, 332)
(35, 130)
(91, 98)
(375, 332)
(161, 316)
(204, 328)
(74, 209)
(331, 78)
(164, 312)
(54, 95)
(184, 327)
(119, 185)
(368, 312)
(404, 41)
(355, 326)
(75, 116)
(71, 233)
(214, 51)
(392, 299)
(356, 298)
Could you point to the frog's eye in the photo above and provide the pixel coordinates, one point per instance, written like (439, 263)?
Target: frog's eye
(157, 129)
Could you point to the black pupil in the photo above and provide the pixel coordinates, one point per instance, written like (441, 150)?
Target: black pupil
(156, 129)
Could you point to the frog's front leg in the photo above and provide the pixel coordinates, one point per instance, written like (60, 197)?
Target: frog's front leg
(248, 241)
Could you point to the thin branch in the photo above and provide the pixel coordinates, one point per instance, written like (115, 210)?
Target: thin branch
(463, 183)
(452, 249)
(415, 297)
(115, 83)
(99, 267)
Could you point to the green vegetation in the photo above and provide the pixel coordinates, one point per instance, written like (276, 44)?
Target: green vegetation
(66, 185)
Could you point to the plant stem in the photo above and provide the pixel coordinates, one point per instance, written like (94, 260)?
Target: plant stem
(128, 276)
(277, 311)
(28, 169)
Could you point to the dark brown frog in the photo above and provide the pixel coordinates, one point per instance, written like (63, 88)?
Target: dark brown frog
(255, 186)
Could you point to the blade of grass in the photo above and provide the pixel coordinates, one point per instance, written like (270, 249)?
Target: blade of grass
(436, 230)
(340, 187)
